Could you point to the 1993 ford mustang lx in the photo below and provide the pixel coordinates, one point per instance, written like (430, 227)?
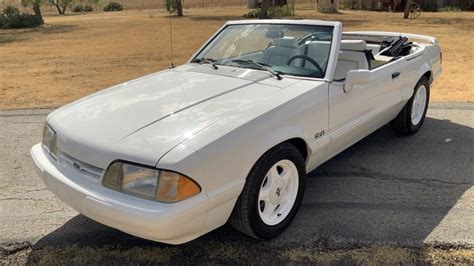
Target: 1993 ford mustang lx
(230, 135)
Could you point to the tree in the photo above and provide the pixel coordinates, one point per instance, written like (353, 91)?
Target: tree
(175, 6)
(61, 5)
(36, 8)
(179, 8)
(406, 11)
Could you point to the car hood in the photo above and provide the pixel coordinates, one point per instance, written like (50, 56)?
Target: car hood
(143, 119)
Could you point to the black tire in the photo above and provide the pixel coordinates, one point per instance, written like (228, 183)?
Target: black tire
(403, 123)
(245, 216)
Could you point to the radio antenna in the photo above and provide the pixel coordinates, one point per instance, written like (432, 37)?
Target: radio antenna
(171, 42)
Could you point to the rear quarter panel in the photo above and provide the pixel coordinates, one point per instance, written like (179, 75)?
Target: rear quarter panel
(414, 66)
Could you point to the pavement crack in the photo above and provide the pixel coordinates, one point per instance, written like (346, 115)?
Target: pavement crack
(375, 206)
(387, 177)
(58, 211)
(26, 112)
(34, 190)
(22, 122)
(32, 199)
(457, 108)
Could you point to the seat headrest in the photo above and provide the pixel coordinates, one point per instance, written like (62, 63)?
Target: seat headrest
(273, 34)
(286, 42)
(353, 45)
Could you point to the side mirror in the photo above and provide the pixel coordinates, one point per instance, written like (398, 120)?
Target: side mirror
(356, 77)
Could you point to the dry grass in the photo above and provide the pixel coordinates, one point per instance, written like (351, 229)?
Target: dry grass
(377, 255)
(225, 253)
(382, 255)
(72, 56)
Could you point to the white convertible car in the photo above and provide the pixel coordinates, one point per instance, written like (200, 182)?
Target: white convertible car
(231, 135)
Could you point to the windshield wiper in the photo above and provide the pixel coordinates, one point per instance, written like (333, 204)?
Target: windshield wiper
(209, 61)
(260, 66)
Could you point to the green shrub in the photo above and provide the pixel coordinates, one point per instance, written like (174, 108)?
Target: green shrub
(171, 5)
(78, 8)
(11, 18)
(17, 21)
(82, 8)
(253, 13)
(10, 11)
(113, 6)
(273, 12)
(280, 11)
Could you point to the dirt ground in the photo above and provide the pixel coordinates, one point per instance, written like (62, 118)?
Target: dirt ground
(75, 55)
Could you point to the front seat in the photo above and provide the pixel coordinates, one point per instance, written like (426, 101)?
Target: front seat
(351, 56)
(281, 51)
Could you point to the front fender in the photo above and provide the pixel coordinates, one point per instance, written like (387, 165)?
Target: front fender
(221, 167)
(221, 156)
(229, 159)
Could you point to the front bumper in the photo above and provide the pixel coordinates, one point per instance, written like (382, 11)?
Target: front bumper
(173, 223)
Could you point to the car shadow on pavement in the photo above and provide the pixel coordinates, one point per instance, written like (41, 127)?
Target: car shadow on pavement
(385, 189)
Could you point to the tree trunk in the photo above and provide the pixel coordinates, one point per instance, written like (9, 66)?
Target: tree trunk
(326, 6)
(37, 10)
(406, 11)
(179, 8)
(252, 4)
(56, 4)
(264, 11)
(64, 9)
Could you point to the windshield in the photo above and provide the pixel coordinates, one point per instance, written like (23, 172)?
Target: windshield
(299, 50)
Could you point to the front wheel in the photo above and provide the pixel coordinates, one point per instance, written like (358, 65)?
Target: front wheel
(272, 193)
(411, 117)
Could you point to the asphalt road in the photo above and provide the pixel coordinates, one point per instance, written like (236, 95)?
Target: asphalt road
(386, 189)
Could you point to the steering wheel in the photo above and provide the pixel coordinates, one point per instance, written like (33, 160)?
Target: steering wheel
(306, 58)
(304, 38)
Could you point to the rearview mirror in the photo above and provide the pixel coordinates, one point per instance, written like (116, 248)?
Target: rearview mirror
(356, 77)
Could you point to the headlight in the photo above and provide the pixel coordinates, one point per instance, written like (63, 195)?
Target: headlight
(149, 183)
(49, 141)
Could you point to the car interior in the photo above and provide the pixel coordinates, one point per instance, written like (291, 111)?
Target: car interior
(303, 53)
(312, 54)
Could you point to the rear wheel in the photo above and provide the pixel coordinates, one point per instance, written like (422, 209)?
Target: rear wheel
(411, 117)
(272, 193)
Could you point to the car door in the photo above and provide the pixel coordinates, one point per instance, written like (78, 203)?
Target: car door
(318, 130)
(355, 114)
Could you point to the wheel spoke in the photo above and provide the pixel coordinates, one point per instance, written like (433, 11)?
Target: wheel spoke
(269, 209)
(286, 175)
(273, 174)
(283, 203)
(264, 195)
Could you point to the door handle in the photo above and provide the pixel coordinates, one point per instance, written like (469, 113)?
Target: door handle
(395, 75)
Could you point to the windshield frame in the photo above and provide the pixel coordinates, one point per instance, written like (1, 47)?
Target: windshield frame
(334, 48)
